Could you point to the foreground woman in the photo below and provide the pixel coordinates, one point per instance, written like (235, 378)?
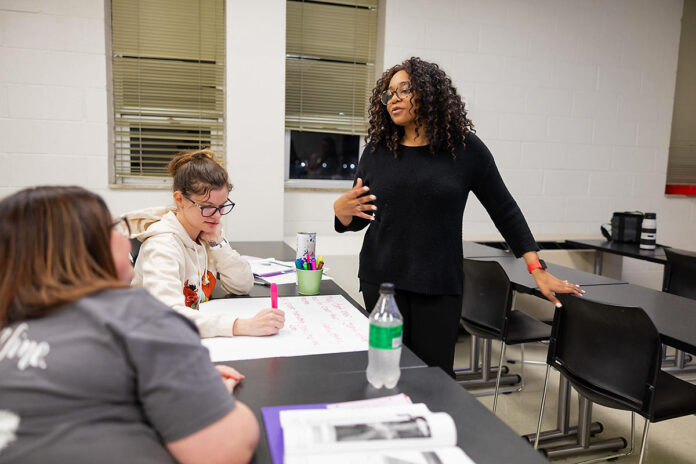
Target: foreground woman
(90, 369)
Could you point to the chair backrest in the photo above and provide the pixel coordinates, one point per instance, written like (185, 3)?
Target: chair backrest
(135, 249)
(680, 273)
(487, 299)
(611, 354)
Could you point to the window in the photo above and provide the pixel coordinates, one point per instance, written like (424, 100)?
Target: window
(681, 167)
(168, 74)
(329, 75)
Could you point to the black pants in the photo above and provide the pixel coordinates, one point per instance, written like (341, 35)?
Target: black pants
(431, 323)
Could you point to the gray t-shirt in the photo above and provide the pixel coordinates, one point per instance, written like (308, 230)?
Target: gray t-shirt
(109, 379)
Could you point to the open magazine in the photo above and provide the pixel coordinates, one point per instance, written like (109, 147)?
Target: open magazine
(400, 434)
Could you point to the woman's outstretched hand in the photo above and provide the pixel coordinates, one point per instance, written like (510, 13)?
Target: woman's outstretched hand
(549, 284)
(353, 203)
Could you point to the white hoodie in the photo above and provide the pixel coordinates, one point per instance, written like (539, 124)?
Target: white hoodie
(182, 273)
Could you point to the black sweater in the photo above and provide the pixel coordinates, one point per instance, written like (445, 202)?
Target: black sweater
(415, 240)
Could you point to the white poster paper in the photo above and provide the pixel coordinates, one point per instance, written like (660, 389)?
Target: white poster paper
(313, 325)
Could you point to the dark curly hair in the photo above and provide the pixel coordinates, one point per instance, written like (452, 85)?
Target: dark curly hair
(441, 113)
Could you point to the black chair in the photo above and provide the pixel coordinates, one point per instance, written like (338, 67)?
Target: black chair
(679, 278)
(611, 355)
(135, 249)
(680, 273)
(487, 311)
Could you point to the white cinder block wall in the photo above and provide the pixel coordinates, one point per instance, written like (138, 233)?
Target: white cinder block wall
(573, 97)
(53, 107)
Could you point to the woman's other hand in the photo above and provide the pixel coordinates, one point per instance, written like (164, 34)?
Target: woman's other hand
(353, 203)
(265, 322)
(230, 376)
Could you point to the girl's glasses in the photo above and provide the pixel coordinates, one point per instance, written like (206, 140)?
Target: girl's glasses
(207, 211)
(122, 226)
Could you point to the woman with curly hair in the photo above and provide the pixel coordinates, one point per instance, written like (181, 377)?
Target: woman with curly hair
(421, 161)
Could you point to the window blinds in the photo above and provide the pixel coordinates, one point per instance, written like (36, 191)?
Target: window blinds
(168, 71)
(330, 65)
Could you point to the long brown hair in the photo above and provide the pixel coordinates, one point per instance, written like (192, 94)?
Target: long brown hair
(197, 172)
(54, 249)
(441, 113)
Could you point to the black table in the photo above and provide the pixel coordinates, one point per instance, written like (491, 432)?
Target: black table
(522, 280)
(485, 438)
(631, 250)
(277, 250)
(476, 250)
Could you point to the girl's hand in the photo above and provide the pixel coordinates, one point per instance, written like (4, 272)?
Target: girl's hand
(265, 322)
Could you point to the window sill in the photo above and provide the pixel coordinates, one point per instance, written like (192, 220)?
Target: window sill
(317, 185)
(152, 183)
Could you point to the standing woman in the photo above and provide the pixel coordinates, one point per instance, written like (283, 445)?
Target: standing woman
(412, 183)
(184, 252)
(92, 370)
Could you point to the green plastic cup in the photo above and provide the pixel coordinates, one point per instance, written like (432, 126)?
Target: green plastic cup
(308, 281)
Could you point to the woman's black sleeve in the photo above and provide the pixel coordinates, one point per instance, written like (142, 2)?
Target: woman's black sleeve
(491, 191)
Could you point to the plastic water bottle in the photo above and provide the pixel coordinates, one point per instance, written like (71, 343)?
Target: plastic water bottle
(386, 326)
(648, 232)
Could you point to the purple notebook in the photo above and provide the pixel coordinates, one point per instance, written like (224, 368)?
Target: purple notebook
(274, 433)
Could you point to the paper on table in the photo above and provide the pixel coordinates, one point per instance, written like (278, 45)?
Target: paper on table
(277, 272)
(313, 325)
(264, 267)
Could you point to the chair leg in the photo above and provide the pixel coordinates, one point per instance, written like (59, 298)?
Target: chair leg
(644, 445)
(522, 366)
(614, 456)
(541, 409)
(497, 380)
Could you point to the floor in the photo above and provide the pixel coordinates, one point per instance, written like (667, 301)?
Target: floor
(669, 442)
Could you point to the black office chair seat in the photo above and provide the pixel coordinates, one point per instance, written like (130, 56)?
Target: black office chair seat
(612, 355)
(523, 328)
(674, 397)
(487, 313)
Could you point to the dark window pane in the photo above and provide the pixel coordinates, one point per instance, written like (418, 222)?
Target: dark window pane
(315, 155)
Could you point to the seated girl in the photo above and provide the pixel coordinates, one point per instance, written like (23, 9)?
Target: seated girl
(92, 370)
(184, 253)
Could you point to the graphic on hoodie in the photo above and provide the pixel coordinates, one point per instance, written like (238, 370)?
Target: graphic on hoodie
(193, 296)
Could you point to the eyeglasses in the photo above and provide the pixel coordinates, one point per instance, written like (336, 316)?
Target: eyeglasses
(402, 92)
(122, 226)
(207, 211)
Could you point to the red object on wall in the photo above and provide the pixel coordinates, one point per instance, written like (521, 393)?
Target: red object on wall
(689, 190)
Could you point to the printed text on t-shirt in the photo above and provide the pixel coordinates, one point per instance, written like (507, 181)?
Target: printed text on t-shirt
(15, 344)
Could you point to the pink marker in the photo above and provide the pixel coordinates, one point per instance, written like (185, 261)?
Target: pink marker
(274, 296)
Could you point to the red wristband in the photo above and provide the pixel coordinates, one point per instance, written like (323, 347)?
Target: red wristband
(538, 264)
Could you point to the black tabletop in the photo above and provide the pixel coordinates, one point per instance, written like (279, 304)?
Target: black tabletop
(631, 250)
(277, 250)
(522, 280)
(484, 437)
(476, 250)
(674, 316)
